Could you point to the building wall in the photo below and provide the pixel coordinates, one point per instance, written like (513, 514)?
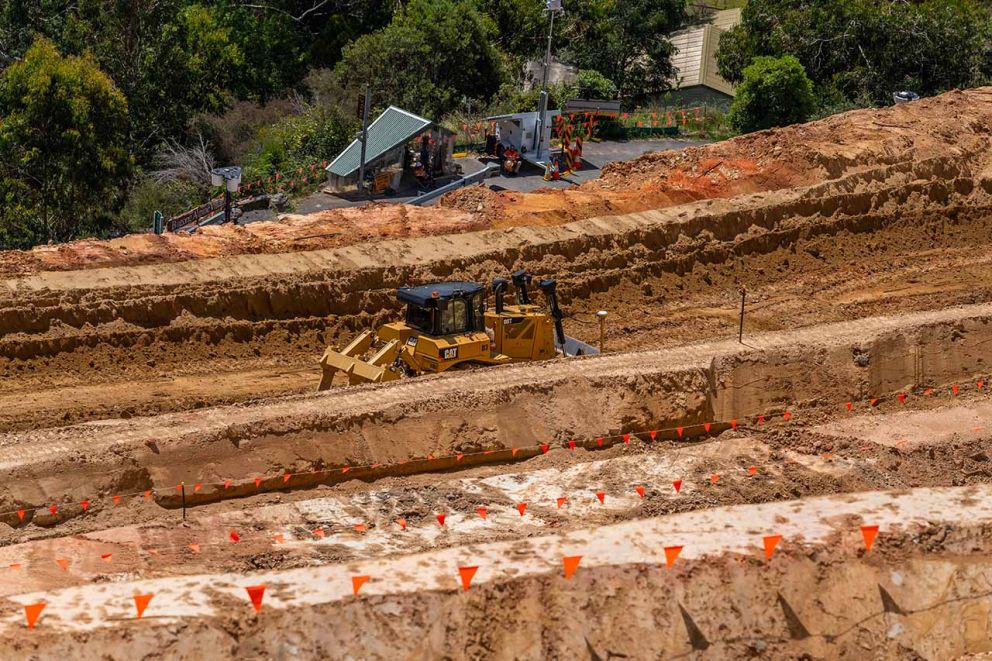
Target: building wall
(557, 73)
(696, 56)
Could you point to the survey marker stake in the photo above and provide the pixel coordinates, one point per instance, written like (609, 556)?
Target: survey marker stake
(740, 331)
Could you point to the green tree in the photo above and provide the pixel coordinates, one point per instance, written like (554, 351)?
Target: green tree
(626, 41)
(867, 49)
(63, 147)
(773, 92)
(433, 55)
(170, 58)
(521, 26)
(594, 85)
(339, 22)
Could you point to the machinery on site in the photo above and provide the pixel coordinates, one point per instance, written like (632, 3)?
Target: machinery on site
(448, 324)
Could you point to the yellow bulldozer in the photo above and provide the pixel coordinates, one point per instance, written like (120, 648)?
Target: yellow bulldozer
(449, 324)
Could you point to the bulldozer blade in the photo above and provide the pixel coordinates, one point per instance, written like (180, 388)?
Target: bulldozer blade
(360, 344)
(574, 347)
(334, 361)
(357, 370)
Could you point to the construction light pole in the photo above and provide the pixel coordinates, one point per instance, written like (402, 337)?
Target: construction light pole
(363, 137)
(552, 7)
(230, 179)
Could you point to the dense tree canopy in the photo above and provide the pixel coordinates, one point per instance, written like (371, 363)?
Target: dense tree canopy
(63, 147)
(625, 40)
(866, 49)
(432, 57)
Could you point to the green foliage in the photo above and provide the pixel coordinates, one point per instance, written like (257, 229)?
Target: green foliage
(433, 56)
(149, 196)
(868, 49)
(521, 26)
(20, 226)
(736, 51)
(63, 147)
(170, 58)
(340, 23)
(512, 99)
(271, 52)
(592, 84)
(299, 141)
(192, 70)
(625, 40)
(233, 133)
(773, 92)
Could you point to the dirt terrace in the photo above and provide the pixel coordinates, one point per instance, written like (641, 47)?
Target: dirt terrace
(520, 407)
(128, 367)
(139, 340)
(925, 572)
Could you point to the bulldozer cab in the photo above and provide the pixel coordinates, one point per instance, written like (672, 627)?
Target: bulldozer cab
(444, 308)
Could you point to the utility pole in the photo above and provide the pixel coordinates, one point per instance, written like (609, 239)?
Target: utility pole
(363, 137)
(552, 7)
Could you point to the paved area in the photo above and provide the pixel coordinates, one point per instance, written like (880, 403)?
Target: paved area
(595, 156)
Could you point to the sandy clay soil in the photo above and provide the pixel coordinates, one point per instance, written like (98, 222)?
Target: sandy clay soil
(146, 371)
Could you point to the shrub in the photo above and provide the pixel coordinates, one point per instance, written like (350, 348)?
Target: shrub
(318, 133)
(151, 195)
(594, 85)
(774, 91)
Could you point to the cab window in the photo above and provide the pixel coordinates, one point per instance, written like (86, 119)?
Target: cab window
(454, 319)
(478, 308)
(420, 318)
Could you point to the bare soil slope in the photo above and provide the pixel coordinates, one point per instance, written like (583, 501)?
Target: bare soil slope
(859, 397)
